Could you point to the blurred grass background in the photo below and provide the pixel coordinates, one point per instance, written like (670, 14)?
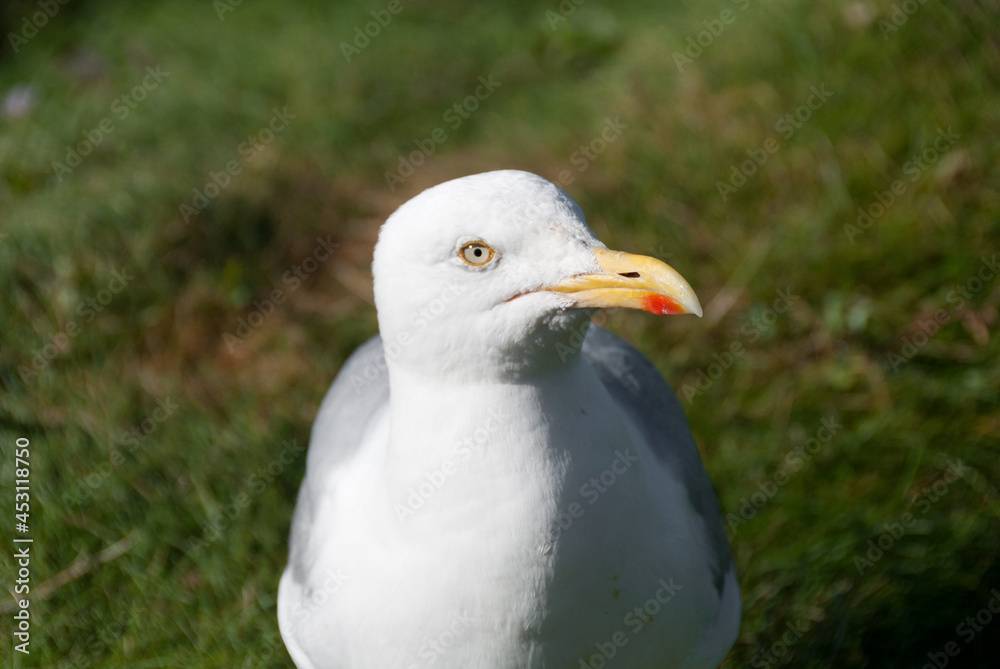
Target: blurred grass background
(161, 487)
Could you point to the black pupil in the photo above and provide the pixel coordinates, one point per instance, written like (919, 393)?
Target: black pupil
(477, 252)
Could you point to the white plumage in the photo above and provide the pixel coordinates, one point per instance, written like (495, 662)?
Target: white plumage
(482, 493)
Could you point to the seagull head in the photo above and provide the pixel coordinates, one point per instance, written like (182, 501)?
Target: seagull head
(496, 276)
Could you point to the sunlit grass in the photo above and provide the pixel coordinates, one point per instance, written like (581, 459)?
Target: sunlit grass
(199, 544)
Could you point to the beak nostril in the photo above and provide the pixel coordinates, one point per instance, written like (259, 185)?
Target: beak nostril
(629, 275)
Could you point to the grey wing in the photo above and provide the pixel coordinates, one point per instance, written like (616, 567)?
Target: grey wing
(359, 392)
(639, 389)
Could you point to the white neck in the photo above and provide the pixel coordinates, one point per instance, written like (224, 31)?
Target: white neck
(474, 456)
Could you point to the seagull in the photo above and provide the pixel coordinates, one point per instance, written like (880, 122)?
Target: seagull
(493, 482)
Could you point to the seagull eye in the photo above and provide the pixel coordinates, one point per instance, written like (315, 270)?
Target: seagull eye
(476, 254)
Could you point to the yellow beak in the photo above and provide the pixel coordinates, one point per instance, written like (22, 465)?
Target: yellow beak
(636, 282)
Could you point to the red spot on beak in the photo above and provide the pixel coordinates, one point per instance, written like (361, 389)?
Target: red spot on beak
(661, 305)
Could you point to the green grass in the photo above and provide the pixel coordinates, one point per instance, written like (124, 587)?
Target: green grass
(176, 594)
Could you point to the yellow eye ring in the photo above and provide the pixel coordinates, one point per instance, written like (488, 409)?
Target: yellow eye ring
(476, 254)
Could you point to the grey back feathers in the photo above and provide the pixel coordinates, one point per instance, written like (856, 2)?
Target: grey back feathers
(360, 391)
(640, 391)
